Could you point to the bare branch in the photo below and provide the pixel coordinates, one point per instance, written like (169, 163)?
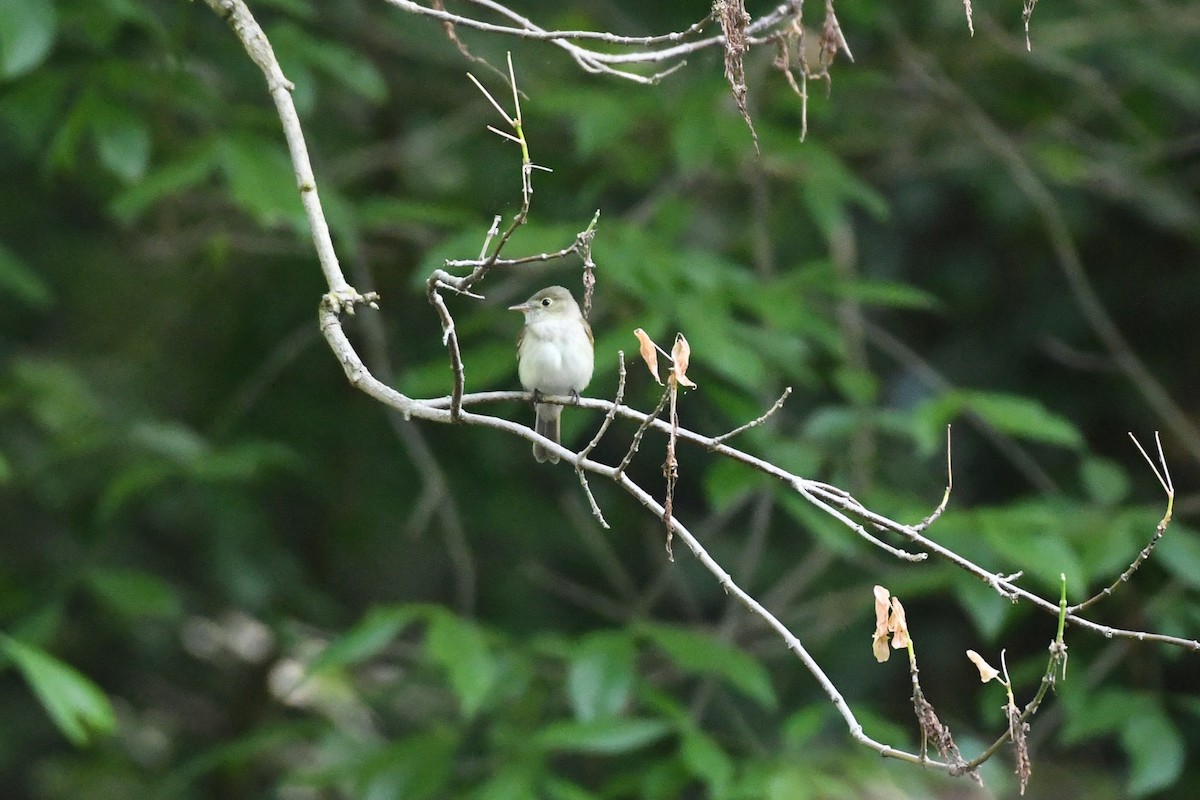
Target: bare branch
(755, 422)
(941, 507)
(646, 50)
(604, 425)
(837, 503)
(611, 414)
(1164, 478)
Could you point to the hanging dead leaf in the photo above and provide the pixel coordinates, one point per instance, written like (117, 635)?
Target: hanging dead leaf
(879, 640)
(898, 625)
(681, 354)
(649, 353)
(986, 670)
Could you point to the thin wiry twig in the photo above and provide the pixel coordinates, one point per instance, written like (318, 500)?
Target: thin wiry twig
(857, 527)
(641, 431)
(342, 298)
(1164, 479)
(612, 412)
(436, 410)
(755, 422)
(679, 45)
(941, 507)
(604, 425)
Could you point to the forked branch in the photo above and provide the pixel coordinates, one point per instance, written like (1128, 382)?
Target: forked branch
(456, 408)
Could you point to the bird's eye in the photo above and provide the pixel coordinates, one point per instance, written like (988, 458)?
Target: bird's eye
(545, 302)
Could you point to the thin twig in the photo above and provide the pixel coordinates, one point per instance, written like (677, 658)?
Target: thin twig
(342, 298)
(802, 489)
(647, 421)
(1164, 478)
(941, 507)
(587, 490)
(611, 414)
(597, 62)
(755, 422)
(604, 425)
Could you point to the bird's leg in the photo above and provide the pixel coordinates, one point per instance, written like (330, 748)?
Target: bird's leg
(575, 396)
(537, 396)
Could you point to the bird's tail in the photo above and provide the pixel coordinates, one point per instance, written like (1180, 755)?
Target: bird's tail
(548, 416)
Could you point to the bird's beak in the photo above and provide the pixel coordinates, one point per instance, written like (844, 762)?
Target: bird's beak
(523, 307)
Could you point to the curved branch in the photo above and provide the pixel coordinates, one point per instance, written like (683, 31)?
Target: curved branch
(454, 409)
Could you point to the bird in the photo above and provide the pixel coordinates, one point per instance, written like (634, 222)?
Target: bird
(555, 356)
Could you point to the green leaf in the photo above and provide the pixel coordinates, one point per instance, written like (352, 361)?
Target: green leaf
(78, 707)
(859, 386)
(707, 761)
(559, 789)
(600, 676)
(19, 281)
(242, 462)
(388, 213)
(1020, 417)
(1029, 536)
(509, 782)
(788, 782)
(702, 653)
(132, 482)
(727, 481)
(172, 440)
(1106, 481)
(122, 143)
(459, 647)
(1179, 554)
(414, 768)
(262, 181)
(133, 593)
(486, 366)
(347, 67)
(56, 394)
(1099, 713)
(172, 178)
(987, 608)
(885, 293)
(1155, 749)
(373, 632)
(601, 737)
(27, 31)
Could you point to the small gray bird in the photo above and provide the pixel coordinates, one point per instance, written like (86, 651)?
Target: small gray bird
(554, 356)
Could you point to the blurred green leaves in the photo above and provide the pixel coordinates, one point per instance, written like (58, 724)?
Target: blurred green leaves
(153, 264)
(27, 32)
(78, 707)
(700, 653)
(20, 282)
(1012, 415)
(600, 678)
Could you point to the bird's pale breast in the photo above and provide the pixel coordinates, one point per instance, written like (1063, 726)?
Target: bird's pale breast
(556, 357)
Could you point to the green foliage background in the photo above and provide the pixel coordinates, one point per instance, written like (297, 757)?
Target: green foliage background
(198, 511)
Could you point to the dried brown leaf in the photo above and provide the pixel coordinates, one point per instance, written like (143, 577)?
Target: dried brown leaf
(986, 670)
(934, 731)
(734, 22)
(879, 639)
(898, 625)
(681, 355)
(649, 353)
(1018, 729)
